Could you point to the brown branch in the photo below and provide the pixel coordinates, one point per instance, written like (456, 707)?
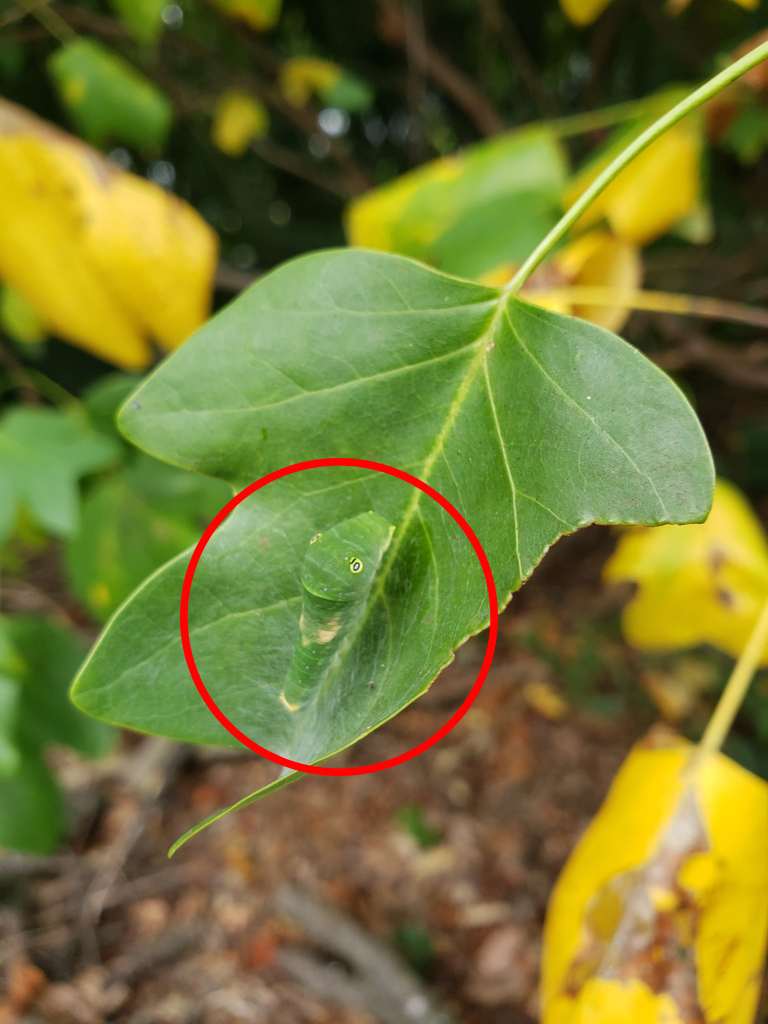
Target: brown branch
(398, 27)
(377, 978)
(745, 367)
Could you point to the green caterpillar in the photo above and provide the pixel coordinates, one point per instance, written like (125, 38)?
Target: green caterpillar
(337, 575)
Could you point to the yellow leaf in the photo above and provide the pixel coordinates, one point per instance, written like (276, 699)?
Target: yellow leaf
(259, 14)
(582, 12)
(238, 118)
(304, 77)
(545, 699)
(660, 187)
(596, 259)
(661, 912)
(703, 583)
(748, 5)
(104, 257)
(18, 318)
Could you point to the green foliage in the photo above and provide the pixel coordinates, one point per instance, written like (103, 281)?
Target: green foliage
(43, 453)
(142, 18)
(37, 661)
(413, 819)
(18, 319)
(107, 99)
(508, 410)
(747, 137)
(134, 522)
(349, 93)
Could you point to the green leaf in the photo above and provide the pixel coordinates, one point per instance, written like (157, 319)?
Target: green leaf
(43, 453)
(349, 93)
(51, 655)
(142, 18)
(481, 239)
(18, 319)
(105, 396)
(532, 423)
(747, 137)
(132, 524)
(31, 815)
(9, 707)
(107, 99)
(495, 195)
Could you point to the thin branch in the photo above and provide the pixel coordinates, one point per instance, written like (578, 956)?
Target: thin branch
(49, 19)
(397, 26)
(658, 302)
(377, 977)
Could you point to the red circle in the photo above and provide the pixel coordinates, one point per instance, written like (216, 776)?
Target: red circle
(317, 464)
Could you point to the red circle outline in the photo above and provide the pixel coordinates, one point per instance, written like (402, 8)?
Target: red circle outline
(298, 467)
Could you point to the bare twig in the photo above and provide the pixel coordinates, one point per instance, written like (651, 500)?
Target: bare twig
(398, 26)
(151, 768)
(745, 367)
(377, 977)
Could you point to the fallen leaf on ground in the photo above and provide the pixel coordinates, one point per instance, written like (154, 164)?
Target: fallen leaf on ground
(660, 914)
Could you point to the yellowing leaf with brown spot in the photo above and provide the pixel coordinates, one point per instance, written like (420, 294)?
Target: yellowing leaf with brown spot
(107, 259)
(661, 912)
(303, 77)
(238, 118)
(660, 187)
(703, 583)
(583, 12)
(599, 259)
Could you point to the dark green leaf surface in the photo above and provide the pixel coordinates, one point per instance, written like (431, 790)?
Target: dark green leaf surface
(43, 453)
(31, 815)
(532, 423)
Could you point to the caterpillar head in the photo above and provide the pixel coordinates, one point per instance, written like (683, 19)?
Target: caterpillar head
(341, 563)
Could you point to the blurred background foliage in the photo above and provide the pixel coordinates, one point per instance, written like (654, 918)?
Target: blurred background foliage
(230, 135)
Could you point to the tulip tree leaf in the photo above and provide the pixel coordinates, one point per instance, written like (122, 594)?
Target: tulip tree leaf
(531, 423)
(43, 453)
(108, 99)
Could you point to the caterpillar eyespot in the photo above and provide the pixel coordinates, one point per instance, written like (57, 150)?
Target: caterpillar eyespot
(339, 568)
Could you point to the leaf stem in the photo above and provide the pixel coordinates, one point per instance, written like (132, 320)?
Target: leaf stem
(735, 690)
(686, 106)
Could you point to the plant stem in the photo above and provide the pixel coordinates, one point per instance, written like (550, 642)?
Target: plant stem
(658, 302)
(735, 690)
(49, 19)
(690, 103)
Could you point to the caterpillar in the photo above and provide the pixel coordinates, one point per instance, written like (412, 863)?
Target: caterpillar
(337, 574)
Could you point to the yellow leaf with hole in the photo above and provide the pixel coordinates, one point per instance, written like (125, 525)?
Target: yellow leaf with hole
(259, 14)
(106, 259)
(597, 259)
(703, 583)
(660, 187)
(18, 319)
(238, 118)
(301, 78)
(660, 915)
(583, 12)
